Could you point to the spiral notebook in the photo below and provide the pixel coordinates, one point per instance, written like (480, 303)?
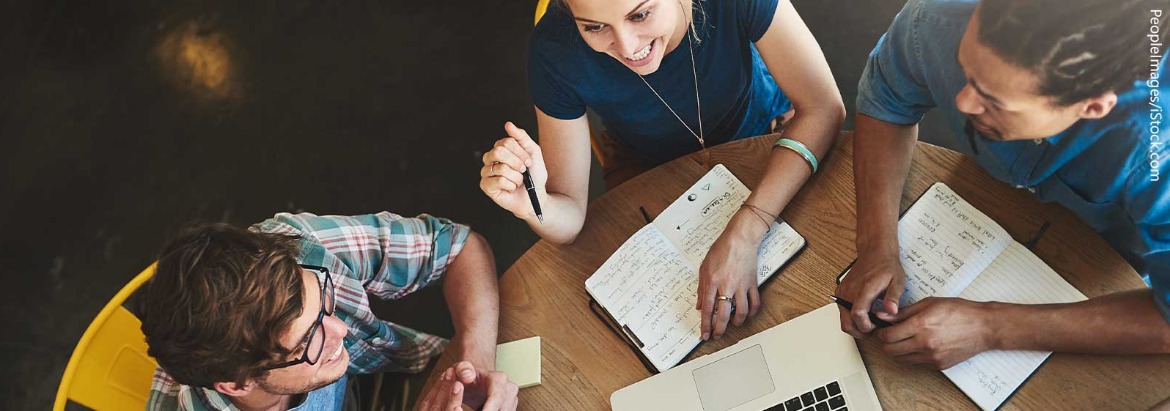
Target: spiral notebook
(647, 289)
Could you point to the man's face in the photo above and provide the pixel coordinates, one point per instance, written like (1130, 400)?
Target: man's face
(1002, 100)
(636, 33)
(302, 378)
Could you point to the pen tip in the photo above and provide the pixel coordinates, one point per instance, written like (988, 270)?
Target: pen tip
(540, 218)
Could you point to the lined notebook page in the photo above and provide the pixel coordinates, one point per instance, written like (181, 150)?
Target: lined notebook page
(650, 290)
(1017, 276)
(696, 219)
(650, 283)
(944, 243)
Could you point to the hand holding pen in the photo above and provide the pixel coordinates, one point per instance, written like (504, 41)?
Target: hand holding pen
(877, 322)
(513, 172)
(875, 276)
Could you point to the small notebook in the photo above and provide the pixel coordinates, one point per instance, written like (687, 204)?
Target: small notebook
(520, 361)
(648, 286)
(948, 248)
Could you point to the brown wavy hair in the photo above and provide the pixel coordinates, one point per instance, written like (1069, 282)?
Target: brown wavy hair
(219, 302)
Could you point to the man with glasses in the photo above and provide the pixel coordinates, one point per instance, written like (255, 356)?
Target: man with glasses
(277, 317)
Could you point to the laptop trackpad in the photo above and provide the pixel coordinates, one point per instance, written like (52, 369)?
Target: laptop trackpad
(734, 380)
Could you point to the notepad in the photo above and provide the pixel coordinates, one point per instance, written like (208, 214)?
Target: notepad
(520, 361)
(949, 248)
(649, 285)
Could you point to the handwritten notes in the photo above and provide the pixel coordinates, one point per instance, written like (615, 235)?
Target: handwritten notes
(649, 285)
(1016, 276)
(650, 289)
(945, 243)
(948, 248)
(696, 219)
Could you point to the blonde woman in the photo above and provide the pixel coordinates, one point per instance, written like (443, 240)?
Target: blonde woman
(667, 78)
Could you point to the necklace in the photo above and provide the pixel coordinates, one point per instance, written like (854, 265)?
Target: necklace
(698, 106)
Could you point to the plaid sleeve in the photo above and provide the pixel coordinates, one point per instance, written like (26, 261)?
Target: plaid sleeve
(385, 255)
(391, 255)
(167, 395)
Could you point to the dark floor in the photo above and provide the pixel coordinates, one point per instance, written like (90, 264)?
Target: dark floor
(121, 121)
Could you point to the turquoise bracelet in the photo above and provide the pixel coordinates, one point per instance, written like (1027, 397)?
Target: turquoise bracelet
(799, 149)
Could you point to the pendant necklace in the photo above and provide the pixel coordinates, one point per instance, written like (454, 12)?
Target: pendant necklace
(698, 107)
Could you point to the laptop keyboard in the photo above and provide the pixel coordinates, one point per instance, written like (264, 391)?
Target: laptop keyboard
(827, 398)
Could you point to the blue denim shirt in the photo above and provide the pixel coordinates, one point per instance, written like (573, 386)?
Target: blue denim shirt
(329, 397)
(1100, 169)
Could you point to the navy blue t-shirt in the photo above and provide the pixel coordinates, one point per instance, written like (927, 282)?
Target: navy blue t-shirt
(739, 97)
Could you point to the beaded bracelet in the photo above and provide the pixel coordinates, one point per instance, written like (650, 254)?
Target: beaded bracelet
(800, 149)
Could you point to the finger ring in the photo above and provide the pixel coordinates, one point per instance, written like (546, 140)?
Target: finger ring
(493, 172)
(719, 298)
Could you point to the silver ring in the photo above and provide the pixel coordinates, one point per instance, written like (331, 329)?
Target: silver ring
(493, 172)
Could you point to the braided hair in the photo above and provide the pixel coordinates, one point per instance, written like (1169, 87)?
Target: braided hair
(1078, 48)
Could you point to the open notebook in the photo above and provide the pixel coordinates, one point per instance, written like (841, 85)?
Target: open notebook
(948, 248)
(648, 286)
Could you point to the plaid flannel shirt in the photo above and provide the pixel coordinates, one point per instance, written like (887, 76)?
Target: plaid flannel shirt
(384, 255)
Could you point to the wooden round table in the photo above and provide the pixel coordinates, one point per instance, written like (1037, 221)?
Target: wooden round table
(583, 362)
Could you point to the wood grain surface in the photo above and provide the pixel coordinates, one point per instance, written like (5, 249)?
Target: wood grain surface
(583, 362)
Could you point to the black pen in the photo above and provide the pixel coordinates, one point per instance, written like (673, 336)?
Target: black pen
(532, 195)
(872, 318)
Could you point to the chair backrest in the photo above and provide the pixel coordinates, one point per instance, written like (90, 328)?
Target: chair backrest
(109, 369)
(541, 6)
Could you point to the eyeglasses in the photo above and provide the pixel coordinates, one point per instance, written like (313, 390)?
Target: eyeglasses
(314, 343)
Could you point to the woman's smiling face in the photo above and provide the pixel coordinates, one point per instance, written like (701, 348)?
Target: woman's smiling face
(638, 33)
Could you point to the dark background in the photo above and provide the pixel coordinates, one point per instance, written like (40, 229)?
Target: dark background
(122, 121)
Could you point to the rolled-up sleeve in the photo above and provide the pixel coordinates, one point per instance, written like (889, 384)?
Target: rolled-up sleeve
(893, 87)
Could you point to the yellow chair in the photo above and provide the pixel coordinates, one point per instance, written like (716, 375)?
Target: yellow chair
(109, 369)
(541, 6)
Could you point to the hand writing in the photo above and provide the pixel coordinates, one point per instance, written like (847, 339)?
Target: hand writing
(938, 332)
(869, 278)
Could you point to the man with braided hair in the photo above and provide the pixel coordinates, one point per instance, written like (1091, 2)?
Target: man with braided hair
(1051, 96)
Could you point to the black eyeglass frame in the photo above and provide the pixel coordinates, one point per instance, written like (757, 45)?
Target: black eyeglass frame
(328, 293)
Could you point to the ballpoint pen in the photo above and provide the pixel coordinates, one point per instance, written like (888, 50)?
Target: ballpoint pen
(872, 318)
(528, 185)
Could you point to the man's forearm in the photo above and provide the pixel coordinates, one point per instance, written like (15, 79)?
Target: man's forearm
(1122, 323)
(473, 298)
(881, 159)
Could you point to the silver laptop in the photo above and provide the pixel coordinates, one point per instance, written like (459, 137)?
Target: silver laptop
(806, 363)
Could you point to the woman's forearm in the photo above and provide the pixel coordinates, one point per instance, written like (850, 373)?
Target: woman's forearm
(787, 171)
(562, 215)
